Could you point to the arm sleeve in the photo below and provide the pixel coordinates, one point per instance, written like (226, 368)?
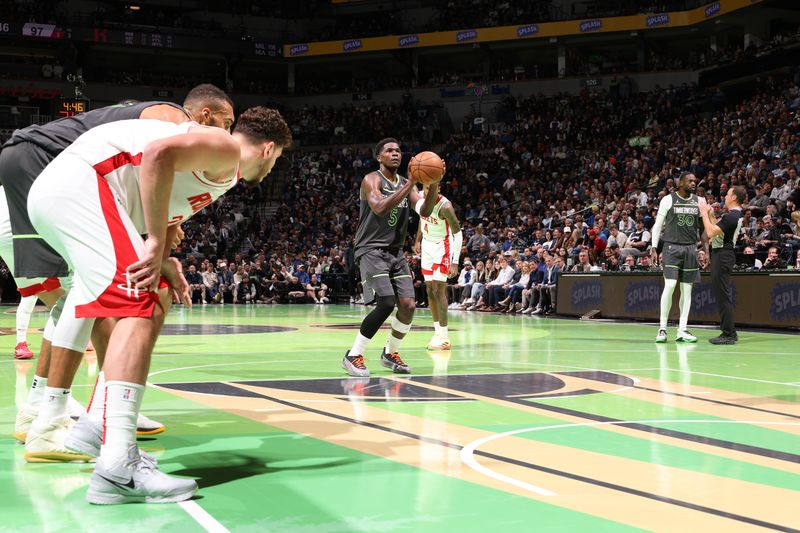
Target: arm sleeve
(664, 206)
(455, 251)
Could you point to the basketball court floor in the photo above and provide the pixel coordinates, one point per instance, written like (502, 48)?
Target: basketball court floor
(528, 424)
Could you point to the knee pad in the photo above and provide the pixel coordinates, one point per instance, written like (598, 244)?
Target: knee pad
(373, 321)
(399, 326)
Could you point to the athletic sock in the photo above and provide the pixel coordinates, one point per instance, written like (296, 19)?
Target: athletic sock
(443, 332)
(437, 329)
(96, 406)
(24, 311)
(122, 401)
(359, 345)
(36, 392)
(54, 405)
(393, 344)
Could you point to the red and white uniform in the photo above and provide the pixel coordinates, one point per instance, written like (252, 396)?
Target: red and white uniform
(87, 205)
(437, 240)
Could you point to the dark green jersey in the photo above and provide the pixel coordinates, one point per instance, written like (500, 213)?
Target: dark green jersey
(388, 231)
(683, 224)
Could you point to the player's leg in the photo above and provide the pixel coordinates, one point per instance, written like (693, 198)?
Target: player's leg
(672, 264)
(689, 273)
(438, 300)
(401, 323)
(23, 318)
(375, 268)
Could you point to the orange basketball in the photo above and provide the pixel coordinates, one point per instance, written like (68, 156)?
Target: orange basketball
(426, 168)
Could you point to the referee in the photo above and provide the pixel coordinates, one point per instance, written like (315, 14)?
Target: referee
(723, 236)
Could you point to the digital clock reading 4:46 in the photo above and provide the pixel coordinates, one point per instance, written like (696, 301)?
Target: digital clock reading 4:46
(69, 107)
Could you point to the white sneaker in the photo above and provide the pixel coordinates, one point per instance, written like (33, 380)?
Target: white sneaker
(85, 437)
(355, 366)
(46, 445)
(685, 336)
(469, 301)
(22, 424)
(325, 300)
(438, 343)
(74, 408)
(148, 426)
(662, 336)
(136, 479)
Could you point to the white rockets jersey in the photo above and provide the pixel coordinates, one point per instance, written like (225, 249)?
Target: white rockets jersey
(434, 227)
(114, 150)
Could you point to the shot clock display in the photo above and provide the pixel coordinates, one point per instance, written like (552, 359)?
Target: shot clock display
(69, 107)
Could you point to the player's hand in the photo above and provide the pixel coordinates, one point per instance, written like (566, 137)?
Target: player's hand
(444, 167)
(145, 273)
(176, 240)
(654, 255)
(417, 248)
(453, 270)
(173, 271)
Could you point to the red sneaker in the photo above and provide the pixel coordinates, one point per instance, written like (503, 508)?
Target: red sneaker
(22, 351)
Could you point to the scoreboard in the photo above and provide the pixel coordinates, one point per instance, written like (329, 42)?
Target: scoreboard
(69, 107)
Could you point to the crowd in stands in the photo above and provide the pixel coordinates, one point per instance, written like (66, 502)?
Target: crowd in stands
(555, 184)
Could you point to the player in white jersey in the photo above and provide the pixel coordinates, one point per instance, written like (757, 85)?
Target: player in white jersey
(132, 180)
(439, 240)
(23, 159)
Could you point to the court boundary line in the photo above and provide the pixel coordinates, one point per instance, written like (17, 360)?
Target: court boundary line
(203, 517)
(467, 457)
(541, 468)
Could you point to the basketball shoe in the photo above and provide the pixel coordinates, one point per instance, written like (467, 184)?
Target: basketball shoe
(22, 351)
(46, 444)
(136, 479)
(354, 365)
(439, 343)
(394, 362)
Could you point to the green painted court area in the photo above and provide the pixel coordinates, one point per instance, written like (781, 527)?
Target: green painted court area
(528, 424)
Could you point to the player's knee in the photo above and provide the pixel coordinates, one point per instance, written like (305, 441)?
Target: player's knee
(406, 307)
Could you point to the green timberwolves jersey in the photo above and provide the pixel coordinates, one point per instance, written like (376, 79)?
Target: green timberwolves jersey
(683, 224)
(388, 231)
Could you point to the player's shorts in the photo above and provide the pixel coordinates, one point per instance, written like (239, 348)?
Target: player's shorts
(25, 286)
(384, 273)
(680, 262)
(75, 210)
(20, 165)
(435, 260)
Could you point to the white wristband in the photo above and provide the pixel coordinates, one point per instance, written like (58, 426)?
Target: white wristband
(455, 252)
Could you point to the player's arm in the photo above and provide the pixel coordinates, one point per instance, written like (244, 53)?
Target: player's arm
(164, 112)
(449, 214)
(663, 206)
(382, 205)
(418, 240)
(211, 150)
(424, 205)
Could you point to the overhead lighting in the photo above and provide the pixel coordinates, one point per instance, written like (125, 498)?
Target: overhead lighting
(134, 7)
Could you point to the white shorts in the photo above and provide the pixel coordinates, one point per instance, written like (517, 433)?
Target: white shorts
(435, 260)
(25, 286)
(75, 210)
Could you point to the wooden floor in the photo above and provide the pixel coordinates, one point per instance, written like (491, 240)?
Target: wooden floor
(528, 424)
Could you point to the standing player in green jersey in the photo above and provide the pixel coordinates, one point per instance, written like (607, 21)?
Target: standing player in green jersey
(386, 198)
(679, 217)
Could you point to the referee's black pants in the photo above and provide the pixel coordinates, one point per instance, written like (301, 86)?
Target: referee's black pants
(722, 262)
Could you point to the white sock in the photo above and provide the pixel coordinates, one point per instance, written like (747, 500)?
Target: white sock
(122, 401)
(666, 301)
(686, 305)
(359, 345)
(437, 328)
(54, 405)
(24, 310)
(96, 407)
(393, 344)
(36, 392)
(443, 332)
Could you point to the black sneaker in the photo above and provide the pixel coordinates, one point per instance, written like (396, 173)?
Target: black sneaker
(394, 362)
(354, 365)
(723, 339)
